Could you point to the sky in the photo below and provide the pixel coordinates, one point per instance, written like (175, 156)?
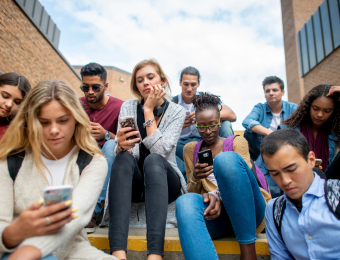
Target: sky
(234, 44)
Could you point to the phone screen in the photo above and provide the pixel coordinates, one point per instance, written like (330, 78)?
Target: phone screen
(56, 194)
(130, 122)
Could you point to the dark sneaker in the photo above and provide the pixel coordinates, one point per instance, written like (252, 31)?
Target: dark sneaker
(91, 227)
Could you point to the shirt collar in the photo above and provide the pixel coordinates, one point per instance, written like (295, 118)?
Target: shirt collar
(269, 111)
(316, 189)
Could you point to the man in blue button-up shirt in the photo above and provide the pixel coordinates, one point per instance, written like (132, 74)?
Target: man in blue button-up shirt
(265, 118)
(309, 229)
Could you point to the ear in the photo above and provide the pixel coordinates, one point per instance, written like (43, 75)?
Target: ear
(283, 91)
(311, 159)
(106, 86)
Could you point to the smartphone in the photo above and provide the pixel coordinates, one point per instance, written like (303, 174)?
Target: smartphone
(205, 157)
(186, 115)
(130, 121)
(318, 162)
(56, 194)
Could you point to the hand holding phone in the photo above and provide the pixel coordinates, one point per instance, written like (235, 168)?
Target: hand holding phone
(204, 164)
(130, 121)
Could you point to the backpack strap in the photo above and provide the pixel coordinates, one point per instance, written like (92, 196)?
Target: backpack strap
(332, 196)
(175, 99)
(197, 149)
(279, 207)
(83, 160)
(228, 144)
(14, 163)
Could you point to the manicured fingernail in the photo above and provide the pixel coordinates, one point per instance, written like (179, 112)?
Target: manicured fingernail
(74, 216)
(40, 202)
(68, 202)
(74, 210)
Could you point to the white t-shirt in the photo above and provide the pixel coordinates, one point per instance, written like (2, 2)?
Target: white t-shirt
(275, 122)
(57, 168)
(189, 106)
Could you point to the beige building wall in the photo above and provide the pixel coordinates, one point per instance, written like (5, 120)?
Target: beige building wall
(295, 13)
(119, 82)
(24, 50)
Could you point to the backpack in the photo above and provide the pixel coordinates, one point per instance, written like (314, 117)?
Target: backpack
(15, 161)
(228, 146)
(332, 196)
(175, 99)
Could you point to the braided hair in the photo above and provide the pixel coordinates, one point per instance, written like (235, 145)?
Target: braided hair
(302, 113)
(204, 101)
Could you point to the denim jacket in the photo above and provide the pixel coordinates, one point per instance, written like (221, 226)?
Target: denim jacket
(275, 190)
(262, 115)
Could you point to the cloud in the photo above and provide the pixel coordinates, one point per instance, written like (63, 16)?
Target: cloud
(234, 44)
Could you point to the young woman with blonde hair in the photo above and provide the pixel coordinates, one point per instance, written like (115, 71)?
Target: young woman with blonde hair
(50, 130)
(146, 171)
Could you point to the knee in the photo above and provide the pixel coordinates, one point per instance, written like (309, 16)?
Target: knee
(122, 160)
(152, 160)
(227, 163)
(187, 205)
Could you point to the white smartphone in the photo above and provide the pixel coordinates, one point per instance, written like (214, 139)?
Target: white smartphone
(56, 194)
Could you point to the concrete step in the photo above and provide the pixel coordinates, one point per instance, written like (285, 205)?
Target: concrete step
(227, 248)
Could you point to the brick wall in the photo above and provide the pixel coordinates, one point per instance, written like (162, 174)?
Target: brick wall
(326, 72)
(117, 88)
(295, 13)
(24, 50)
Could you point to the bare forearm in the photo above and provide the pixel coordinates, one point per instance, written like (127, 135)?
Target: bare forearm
(259, 129)
(148, 114)
(227, 114)
(112, 135)
(26, 252)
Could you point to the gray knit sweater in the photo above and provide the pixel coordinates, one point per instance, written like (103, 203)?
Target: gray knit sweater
(163, 141)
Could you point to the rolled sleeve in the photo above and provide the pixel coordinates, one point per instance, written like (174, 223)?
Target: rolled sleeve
(253, 118)
(277, 248)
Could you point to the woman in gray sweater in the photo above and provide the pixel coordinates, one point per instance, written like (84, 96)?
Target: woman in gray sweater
(145, 166)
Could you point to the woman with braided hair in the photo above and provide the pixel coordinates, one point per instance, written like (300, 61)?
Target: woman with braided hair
(226, 198)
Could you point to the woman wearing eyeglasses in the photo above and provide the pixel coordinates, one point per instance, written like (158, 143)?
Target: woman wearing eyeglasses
(225, 197)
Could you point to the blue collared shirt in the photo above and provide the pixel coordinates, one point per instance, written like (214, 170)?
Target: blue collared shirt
(190, 131)
(312, 234)
(262, 115)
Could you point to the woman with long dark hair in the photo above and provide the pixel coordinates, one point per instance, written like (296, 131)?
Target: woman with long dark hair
(13, 90)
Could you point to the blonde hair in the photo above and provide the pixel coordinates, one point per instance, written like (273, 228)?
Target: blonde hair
(25, 131)
(160, 72)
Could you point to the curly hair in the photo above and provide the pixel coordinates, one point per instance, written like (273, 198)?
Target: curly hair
(302, 113)
(204, 101)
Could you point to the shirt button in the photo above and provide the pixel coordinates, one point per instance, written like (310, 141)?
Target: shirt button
(309, 237)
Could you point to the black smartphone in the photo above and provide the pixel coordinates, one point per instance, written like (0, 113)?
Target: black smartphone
(205, 157)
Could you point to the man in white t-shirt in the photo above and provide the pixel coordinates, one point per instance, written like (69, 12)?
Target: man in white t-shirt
(265, 118)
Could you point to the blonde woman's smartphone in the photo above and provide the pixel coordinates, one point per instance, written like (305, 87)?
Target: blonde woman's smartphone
(56, 194)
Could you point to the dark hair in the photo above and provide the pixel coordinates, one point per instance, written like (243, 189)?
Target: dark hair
(302, 113)
(94, 69)
(273, 79)
(204, 101)
(14, 79)
(273, 142)
(191, 71)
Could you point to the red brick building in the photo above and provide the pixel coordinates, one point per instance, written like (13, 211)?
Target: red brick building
(311, 30)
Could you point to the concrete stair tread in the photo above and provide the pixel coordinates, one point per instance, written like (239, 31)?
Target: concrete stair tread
(137, 242)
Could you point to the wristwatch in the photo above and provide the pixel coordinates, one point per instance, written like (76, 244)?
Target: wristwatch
(107, 136)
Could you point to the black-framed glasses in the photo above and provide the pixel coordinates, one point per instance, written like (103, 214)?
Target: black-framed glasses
(95, 88)
(212, 128)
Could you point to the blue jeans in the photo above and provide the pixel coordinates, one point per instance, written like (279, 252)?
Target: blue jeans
(181, 167)
(254, 141)
(108, 151)
(226, 129)
(243, 203)
(49, 257)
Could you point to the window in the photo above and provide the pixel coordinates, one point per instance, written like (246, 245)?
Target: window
(304, 50)
(326, 28)
(335, 21)
(310, 42)
(300, 58)
(320, 55)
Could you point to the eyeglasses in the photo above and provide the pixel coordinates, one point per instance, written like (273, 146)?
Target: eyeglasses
(86, 88)
(203, 129)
